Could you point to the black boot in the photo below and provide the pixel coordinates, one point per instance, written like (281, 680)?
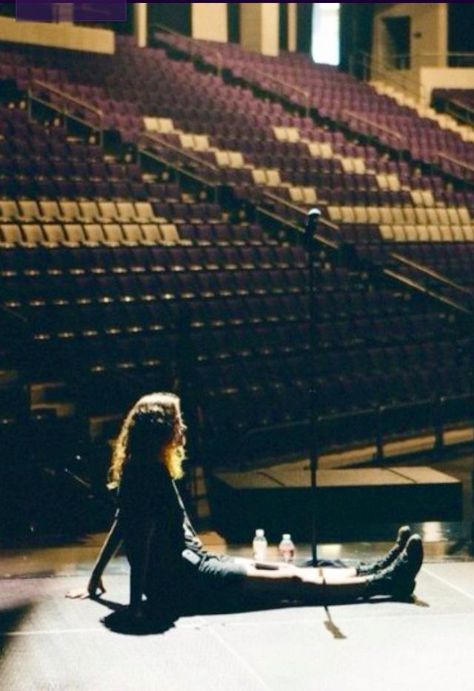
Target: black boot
(398, 579)
(369, 569)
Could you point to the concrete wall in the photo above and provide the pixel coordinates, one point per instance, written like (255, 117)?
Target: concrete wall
(428, 43)
(250, 26)
(259, 27)
(429, 31)
(445, 78)
(270, 28)
(209, 21)
(292, 26)
(63, 35)
(140, 23)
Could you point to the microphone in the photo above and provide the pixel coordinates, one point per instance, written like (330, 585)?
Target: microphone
(312, 218)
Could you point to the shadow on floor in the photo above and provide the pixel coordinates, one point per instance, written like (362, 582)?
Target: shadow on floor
(162, 618)
(10, 620)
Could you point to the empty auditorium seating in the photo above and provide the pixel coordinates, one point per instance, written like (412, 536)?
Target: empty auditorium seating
(340, 97)
(121, 276)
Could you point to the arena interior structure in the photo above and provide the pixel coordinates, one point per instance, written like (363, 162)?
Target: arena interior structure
(155, 179)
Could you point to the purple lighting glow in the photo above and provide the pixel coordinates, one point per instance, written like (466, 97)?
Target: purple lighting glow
(98, 11)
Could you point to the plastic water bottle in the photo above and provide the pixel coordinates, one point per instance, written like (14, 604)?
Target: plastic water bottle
(260, 545)
(286, 548)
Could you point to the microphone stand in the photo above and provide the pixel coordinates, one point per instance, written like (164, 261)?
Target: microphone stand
(310, 229)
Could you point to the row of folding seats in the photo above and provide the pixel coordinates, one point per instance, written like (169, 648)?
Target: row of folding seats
(69, 320)
(427, 233)
(52, 305)
(452, 252)
(292, 309)
(155, 259)
(412, 215)
(205, 234)
(287, 340)
(261, 392)
(271, 398)
(236, 258)
(367, 233)
(379, 329)
(181, 212)
(42, 211)
(137, 354)
(106, 211)
(256, 374)
(195, 295)
(45, 165)
(51, 323)
(350, 198)
(411, 357)
(38, 289)
(50, 234)
(198, 314)
(164, 269)
(345, 392)
(343, 304)
(56, 148)
(239, 342)
(33, 187)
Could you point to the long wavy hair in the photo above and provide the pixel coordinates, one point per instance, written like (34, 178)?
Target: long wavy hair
(153, 430)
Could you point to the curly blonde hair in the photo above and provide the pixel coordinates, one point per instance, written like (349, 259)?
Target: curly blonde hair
(153, 428)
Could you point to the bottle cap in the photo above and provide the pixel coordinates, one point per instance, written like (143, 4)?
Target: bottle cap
(259, 532)
(286, 536)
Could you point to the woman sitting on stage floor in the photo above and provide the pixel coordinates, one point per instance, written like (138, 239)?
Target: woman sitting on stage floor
(168, 562)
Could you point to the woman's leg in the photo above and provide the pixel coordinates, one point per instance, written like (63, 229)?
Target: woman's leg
(308, 584)
(368, 569)
(333, 584)
(336, 575)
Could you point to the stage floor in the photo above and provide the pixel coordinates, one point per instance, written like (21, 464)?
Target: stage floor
(50, 642)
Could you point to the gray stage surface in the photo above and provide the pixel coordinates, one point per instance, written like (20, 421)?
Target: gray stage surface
(49, 642)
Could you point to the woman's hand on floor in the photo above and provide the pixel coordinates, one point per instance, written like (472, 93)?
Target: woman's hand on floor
(94, 589)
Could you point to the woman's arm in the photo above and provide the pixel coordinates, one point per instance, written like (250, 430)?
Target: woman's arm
(110, 546)
(139, 562)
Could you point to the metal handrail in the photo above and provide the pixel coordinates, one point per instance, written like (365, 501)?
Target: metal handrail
(63, 107)
(372, 123)
(425, 291)
(283, 202)
(430, 272)
(298, 209)
(414, 57)
(283, 82)
(13, 315)
(157, 140)
(69, 97)
(459, 110)
(379, 411)
(370, 65)
(193, 42)
(169, 30)
(282, 427)
(463, 164)
(462, 105)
